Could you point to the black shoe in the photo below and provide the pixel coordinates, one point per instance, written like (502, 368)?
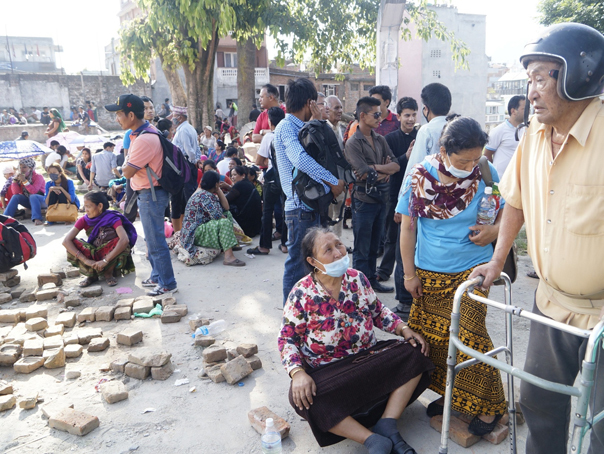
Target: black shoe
(479, 427)
(434, 409)
(400, 446)
(349, 250)
(381, 288)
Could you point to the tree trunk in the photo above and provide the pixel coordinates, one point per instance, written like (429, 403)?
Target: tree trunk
(179, 97)
(246, 80)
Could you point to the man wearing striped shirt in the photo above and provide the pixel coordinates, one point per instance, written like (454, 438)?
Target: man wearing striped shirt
(301, 105)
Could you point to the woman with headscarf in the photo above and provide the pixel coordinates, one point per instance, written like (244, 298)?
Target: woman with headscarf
(60, 189)
(56, 125)
(28, 190)
(111, 238)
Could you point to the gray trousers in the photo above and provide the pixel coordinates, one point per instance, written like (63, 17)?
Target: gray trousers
(556, 356)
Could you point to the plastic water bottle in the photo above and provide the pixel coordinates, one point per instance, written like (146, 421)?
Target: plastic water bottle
(271, 440)
(212, 329)
(487, 208)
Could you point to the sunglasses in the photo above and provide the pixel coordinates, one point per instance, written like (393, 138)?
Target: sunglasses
(377, 115)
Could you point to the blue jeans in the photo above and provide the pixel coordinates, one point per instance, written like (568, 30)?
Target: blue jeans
(152, 218)
(34, 202)
(368, 224)
(297, 223)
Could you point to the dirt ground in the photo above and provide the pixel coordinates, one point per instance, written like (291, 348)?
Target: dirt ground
(213, 419)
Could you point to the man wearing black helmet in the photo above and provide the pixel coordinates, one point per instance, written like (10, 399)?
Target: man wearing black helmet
(555, 185)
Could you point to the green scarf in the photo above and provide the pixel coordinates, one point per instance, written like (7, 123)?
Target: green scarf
(55, 113)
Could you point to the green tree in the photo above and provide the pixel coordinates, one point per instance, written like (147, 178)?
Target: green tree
(588, 12)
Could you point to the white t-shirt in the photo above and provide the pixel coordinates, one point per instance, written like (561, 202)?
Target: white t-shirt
(265, 148)
(503, 144)
(52, 157)
(223, 166)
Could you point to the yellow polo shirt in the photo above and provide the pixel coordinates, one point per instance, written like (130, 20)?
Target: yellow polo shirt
(563, 204)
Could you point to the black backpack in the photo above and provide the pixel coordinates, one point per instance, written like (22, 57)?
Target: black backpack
(321, 143)
(17, 245)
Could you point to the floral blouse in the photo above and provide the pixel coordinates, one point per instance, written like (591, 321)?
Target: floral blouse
(202, 207)
(318, 330)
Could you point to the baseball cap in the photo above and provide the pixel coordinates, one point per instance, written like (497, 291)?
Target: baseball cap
(127, 103)
(24, 134)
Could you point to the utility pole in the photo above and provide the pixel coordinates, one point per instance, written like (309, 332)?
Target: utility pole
(12, 70)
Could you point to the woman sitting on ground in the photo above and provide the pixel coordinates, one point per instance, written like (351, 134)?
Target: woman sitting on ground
(245, 202)
(111, 237)
(83, 164)
(339, 370)
(56, 125)
(218, 153)
(439, 207)
(206, 223)
(60, 189)
(28, 191)
(6, 193)
(225, 181)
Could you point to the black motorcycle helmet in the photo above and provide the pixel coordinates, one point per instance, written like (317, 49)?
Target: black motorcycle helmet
(580, 49)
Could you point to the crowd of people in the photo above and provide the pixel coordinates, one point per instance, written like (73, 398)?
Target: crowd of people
(414, 201)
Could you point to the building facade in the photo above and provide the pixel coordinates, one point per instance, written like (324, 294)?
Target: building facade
(20, 55)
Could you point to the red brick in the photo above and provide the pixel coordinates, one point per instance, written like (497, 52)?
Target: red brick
(258, 417)
(73, 421)
(458, 431)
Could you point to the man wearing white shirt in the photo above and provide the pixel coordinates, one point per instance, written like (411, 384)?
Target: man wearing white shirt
(436, 99)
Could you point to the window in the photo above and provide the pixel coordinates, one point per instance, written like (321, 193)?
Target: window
(354, 86)
(436, 73)
(435, 53)
(329, 90)
(367, 87)
(230, 59)
(281, 92)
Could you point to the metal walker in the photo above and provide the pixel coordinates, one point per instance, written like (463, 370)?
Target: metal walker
(583, 391)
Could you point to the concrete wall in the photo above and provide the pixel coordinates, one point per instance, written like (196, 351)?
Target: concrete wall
(61, 91)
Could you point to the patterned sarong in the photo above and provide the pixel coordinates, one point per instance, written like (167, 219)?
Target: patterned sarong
(122, 264)
(478, 389)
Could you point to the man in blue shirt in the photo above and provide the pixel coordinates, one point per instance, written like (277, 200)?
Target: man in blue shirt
(301, 105)
(436, 99)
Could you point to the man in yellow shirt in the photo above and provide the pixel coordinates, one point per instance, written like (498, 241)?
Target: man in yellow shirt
(555, 185)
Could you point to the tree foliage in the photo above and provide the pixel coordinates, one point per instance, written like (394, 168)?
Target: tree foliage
(588, 12)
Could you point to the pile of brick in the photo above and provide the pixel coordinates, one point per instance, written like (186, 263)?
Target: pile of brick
(144, 362)
(230, 365)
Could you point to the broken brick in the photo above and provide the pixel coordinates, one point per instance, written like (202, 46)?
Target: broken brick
(122, 313)
(247, 350)
(114, 391)
(74, 422)
(236, 370)
(49, 278)
(67, 319)
(258, 417)
(98, 344)
(130, 337)
(136, 371)
(162, 372)
(87, 315)
(36, 324)
(104, 313)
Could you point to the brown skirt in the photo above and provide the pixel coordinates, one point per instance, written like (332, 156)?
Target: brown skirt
(359, 386)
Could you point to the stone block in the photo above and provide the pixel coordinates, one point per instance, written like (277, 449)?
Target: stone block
(130, 337)
(54, 358)
(70, 339)
(499, 433)
(197, 322)
(87, 315)
(143, 306)
(7, 402)
(215, 374)
(255, 362)
(9, 354)
(33, 347)
(18, 332)
(236, 370)
(458, 431)
(73, 374)
(258, 417)
(54, 407)
(247, 350)
(119, 365)
(49, 286)
(28, 402)
(169, 316)
(214, 354)
(36, 324)
(5, 388)
(149, 358)
(165, 301)
(126, 302)
(67, 319)
(74, 422)
(50, 343)
(104, 313)
(28, 296)
(72, 301)
(17, 292)
(180, 309)
(204, 341)
(44, 295)
(73, 350)
(98, 344)
(92, 291)
(8, 275)
(86, 335)
(162, 372)
(6, 297)
(114, 391)
(36, 310)
(54, 330)
(56, 270)
(13, 281)
(9, 316)
(71, 272)
(122, 313)
(232, 354)
(50, 278)
(136, 371)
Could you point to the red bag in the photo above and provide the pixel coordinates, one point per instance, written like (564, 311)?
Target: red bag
(17, 245)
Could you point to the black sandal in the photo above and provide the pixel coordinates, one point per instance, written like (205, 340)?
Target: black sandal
(400, 446)
(88, 281)
(256, 251)
(479, 427)
(434, 409)
(111, 281)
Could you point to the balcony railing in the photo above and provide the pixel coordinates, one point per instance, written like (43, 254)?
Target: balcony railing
(228, 76)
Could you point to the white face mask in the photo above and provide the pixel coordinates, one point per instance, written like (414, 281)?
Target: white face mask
(457, 173)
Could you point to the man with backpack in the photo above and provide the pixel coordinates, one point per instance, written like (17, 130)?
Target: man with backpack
(301, 104)
(146, 152)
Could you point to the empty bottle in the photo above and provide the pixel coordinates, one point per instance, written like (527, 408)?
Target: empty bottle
(212, 329)
(487, 208)
(271, 440)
